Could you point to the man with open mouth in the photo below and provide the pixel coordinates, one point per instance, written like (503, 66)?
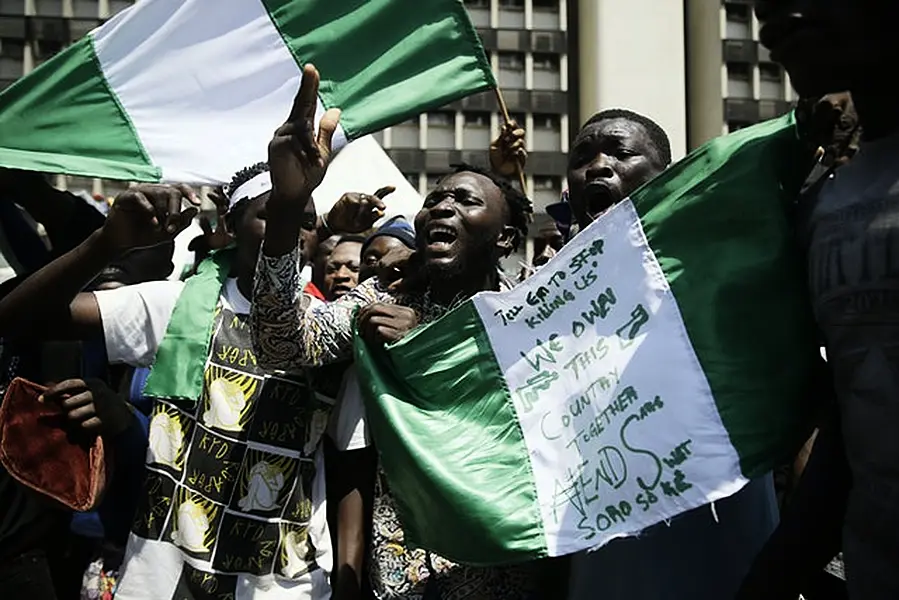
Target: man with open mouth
(694, 556)
(614, 153)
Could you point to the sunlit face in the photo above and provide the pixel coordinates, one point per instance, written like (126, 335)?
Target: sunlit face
(342, 270)
(609, 160)
(463, 222)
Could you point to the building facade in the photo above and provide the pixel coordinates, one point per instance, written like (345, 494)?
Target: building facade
(527, 44)
(732, 82)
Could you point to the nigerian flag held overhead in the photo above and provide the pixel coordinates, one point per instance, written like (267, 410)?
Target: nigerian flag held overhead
(656, 364)
(191, 90)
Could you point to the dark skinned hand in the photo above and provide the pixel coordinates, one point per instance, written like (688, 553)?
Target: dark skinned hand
(218, 237)
(400, 271)
(90, 406)
(381, 323)
(147, 215)
(356, 212)
(507, 152)
(297, 157)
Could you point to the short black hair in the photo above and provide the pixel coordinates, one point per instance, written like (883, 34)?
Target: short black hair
(240, 178)
(521, 209)
(657, 135)
(358, 239)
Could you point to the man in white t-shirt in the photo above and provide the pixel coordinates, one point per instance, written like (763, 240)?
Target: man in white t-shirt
(233, 506)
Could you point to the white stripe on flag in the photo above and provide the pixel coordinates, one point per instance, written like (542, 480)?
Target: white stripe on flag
(573, 396)
(175, 72)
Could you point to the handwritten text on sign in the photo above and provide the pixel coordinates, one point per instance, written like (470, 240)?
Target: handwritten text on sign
(616, 413)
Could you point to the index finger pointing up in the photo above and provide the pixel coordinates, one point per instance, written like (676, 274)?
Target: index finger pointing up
(307, 98)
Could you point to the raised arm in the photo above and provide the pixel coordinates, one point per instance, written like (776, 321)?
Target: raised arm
(50, 302)
(289, 332)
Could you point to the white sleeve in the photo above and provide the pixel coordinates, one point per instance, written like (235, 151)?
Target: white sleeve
(135, 318)
(348, 427)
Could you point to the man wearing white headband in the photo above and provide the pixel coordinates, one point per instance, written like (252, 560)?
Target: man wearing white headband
(234, 504)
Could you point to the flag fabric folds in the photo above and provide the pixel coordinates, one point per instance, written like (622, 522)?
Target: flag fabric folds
(191, 90)
(656, 364)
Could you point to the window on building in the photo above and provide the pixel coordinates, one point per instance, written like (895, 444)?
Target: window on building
(86, 9)
(547, 189)
(405, 135)
(78, 28)
(10, 68)
(476, 131)
(519, 118)
(12, 48)
(511, 70)
(771, 82)
(46, 49)
(117, 6)
(511, 14)
(547, 133)
(479, 11)
(12, 28)
(441, 130)
(547, 72)
(441, 119)
(412, 178)
(739, 21)
(12, 7)
(546, 14)
(12, 53)
(739, 80)
(50, 36)
(48, 8)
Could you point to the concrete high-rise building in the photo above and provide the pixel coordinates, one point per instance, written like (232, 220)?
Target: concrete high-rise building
(527, 44)
(732, 82)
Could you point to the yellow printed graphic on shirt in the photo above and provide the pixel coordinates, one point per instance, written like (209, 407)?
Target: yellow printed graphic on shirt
(167, 437)
(193, 517)
(227, 398)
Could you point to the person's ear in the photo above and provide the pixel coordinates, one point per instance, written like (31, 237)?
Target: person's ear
(508, 240)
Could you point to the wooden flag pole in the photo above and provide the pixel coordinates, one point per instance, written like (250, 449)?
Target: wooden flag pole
(507, 119)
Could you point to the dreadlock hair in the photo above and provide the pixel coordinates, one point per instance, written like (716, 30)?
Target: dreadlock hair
(240, 178)
(657, 135)
(521, 210)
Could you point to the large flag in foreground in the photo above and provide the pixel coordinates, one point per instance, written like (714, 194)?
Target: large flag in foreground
(657, 363)
(191, 90)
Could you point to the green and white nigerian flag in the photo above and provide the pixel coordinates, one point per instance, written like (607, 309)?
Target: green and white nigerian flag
(656, 364)
(191, 90)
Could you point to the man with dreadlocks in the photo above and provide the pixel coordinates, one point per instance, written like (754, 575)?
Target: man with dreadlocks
(233, 504)
(470, 221)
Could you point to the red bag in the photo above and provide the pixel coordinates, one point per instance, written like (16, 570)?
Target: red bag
(37, 449)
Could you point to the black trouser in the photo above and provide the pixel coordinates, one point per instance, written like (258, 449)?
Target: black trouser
(27, 577)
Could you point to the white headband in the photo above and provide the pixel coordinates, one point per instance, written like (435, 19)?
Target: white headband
(253, 188)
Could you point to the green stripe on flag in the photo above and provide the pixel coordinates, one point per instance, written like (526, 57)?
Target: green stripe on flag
(178, 369)
(378, 62)
(63, 118)
(443, 387)
(734, 267)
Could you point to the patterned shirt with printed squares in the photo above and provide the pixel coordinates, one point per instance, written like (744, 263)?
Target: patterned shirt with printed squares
(234, 498)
